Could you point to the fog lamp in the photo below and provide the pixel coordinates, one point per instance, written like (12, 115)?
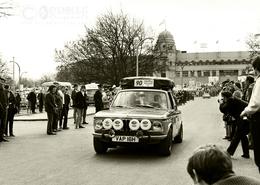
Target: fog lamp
(134, 124)
(107, 123)
(118, 124)
(146, 124)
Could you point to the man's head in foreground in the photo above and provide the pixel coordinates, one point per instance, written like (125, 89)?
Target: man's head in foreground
(208, 164)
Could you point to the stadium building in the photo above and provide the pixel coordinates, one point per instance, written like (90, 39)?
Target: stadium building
(198, 68)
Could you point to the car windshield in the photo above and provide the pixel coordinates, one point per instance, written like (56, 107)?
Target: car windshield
(146, 99)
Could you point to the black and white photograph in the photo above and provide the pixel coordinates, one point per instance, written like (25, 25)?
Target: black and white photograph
(117, 92)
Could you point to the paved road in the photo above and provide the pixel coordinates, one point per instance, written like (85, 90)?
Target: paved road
(68, 158)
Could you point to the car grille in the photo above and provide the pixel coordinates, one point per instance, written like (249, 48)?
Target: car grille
(126, 125)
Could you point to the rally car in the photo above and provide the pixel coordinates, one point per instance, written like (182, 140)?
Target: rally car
(143, 112)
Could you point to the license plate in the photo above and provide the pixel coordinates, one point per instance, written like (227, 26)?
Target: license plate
(126, 139)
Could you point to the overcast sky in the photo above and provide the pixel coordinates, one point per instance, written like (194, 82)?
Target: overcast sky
(40, 26)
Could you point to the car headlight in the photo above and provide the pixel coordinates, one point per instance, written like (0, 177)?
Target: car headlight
(118, 124)
(146, 124)
(107, 123)
(157, 126)
(97, 124)
(134, 124)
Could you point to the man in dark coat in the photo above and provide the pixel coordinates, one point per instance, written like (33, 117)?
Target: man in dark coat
(41, 100)
(12, 110)
(32, 99)
(234, 107)
(249, 84)
(98, 99)
(50, 108)
(73, 97)
(18, 101)
(3, 109)
(80, 104)
(85, 109)
(65, 109)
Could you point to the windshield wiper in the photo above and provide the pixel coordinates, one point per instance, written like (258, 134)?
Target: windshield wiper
(121, 106)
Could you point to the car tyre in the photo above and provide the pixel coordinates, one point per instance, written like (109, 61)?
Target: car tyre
(165, 147)
(179, 137)
(99, 146)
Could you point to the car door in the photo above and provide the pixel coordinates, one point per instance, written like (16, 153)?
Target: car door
(175, 115)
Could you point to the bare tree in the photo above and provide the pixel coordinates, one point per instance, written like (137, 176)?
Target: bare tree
(46, 78)
(3, 69)
(107, 52)
(253, 43)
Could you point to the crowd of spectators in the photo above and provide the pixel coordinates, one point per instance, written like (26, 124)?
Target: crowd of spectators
(183, 96)
(240, 105)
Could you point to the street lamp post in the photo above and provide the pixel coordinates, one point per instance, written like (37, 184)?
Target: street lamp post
(19, 69)
(137, 53)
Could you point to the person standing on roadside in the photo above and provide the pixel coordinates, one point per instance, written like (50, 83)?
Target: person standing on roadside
(252, 111)
(73, 97)
(98, 99)
(80, 104)
(85, 108)
(12, 110)
(3, 109)
(32, 100)
(60, 104)
(58, 101)
(65, 109)
(41, 100)
(249, 85)
(50, 108)
(18, 101)
(233, 106)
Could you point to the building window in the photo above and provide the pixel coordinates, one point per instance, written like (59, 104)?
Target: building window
(192, 73)
(199, 73)
(185, 73)
(214, 73)
(228, 73)
(206, 73)
(178, 74)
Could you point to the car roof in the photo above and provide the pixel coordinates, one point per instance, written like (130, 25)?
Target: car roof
(145, 82)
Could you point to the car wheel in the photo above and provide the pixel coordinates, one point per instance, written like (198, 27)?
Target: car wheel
(165, 147)
(99, 146)
(179, 137)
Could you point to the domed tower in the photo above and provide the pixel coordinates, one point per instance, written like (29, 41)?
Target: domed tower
(165, 52)
(165, 43)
